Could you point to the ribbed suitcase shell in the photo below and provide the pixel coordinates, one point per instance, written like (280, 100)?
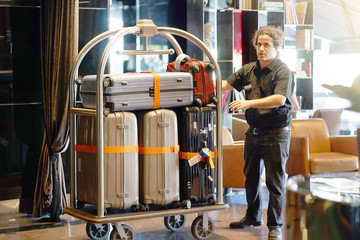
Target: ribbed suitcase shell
(159, 173)
(204, 91)
(134, 91)
(196, 131)
(121, 170)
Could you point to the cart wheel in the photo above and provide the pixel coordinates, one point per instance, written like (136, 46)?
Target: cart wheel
(144, 208)
(175, 223)
(98, 231)
(135, 208)
(186, 204)
(129, 233)
(198, 231)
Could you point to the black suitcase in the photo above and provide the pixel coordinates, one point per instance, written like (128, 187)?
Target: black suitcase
(196, 133)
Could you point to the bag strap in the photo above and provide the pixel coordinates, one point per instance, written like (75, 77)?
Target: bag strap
(107, 149)
(190, 155)
(156, 90)
(158, 150)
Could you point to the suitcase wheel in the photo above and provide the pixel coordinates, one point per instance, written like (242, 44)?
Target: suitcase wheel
(214, 100)
(98, 231)
(198, 231)
(197, 102)
(211, 201)
(175, 204)
(129, 233)
(194, 68)
(134, 208)
(186, 204)
(80, 205)
(210, 67)
(144, 208)
(175, 223)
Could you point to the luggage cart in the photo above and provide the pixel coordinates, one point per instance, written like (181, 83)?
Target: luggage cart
(99, 225)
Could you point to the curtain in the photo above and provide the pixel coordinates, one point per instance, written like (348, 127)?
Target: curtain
(58, 50)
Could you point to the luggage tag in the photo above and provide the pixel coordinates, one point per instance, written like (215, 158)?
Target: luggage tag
(205, 154)
(207, 157)
(197, 159)
(210, 178)
(194, 160)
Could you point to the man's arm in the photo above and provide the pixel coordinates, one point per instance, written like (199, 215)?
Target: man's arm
(272, 101)
(225, 86)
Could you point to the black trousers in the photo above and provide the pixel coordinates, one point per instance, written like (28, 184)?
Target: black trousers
(272, 151)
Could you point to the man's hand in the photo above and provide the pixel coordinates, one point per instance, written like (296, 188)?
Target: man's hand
(239, 104)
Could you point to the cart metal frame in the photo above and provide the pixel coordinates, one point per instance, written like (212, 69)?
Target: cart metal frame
(144, 28)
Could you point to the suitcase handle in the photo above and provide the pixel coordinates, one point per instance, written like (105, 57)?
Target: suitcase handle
(122, 195)
(165, 124)
(164, 191)
(122, 126)
(181, 57)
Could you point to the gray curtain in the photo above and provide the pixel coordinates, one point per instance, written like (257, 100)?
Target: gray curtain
(58, 50)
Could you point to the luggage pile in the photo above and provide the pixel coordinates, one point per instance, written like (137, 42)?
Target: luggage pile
(158, 138)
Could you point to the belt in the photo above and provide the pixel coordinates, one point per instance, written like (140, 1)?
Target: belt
(259, 131)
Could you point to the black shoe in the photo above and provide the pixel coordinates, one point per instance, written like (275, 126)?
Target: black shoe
(244, 223)
(275, 233)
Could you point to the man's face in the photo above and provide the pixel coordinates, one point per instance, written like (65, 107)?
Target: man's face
(265, 49)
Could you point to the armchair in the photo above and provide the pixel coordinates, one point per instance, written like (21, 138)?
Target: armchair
(312, 150)
(239, 128)
(233, 161)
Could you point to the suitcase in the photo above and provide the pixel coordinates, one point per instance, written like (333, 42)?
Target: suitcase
(158, 158)
(121, 167)
(196, 132)
(140, 91)
(204, 92)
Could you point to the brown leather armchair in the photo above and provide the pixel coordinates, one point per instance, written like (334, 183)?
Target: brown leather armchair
(312, 150)
(233, 161)
(239, 128)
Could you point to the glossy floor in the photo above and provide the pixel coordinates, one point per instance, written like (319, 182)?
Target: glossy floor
(14, 225)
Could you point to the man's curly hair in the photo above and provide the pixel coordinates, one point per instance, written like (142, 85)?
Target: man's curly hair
(276, 34)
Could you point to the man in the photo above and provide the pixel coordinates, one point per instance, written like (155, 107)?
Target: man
(268, 85)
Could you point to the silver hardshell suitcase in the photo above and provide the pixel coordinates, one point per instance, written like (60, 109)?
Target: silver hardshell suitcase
(158, 158)
(121, 168)
(140, 91)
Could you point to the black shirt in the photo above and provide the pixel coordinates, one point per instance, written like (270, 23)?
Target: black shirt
(276, 78)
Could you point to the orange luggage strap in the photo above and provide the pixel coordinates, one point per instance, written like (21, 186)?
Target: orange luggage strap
(156, 90)
(158, 150)
(107, 149)
(187, 155)
(190, 155)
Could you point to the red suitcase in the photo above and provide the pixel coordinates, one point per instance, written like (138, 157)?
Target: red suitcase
(204, 92)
